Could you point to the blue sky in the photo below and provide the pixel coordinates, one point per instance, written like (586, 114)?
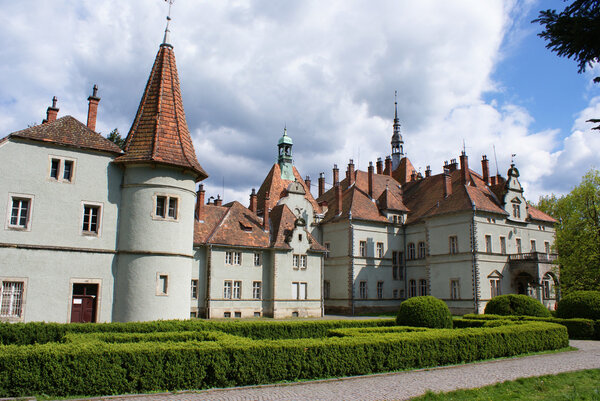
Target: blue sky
(465, 70)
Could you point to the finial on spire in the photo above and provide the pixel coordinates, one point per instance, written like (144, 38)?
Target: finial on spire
(512, 158)
(54, 100)
(166, 39)
(95, 91)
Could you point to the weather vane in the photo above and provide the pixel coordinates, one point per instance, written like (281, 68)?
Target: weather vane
(512, 158)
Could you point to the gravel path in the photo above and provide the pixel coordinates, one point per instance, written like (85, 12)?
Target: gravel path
(401, 386)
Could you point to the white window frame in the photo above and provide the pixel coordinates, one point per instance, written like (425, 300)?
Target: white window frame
(299, 290)
(328, 249)
(9, 207)
(257, 258)
(237, 290)
(60, 172)
(168, 198)
(495, 287)
(233, 258)
(380, 251)
(227, 289)
(303, 262)
(362, 248)
(453, 244)
(98, 231)
(162, 284)
(257, 290)
(13, 317)
(296, 261)
(194, 288)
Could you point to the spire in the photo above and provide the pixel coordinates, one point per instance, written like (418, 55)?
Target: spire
(284, 158)
(397, 142)
(159, 133)
(167, 39)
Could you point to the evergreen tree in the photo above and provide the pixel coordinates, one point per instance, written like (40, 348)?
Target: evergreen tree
(115, 137)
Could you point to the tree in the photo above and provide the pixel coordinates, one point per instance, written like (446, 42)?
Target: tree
(577, 233)
(115, 137)
(574, 33)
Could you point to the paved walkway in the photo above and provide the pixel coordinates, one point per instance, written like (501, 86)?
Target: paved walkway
(403, 385)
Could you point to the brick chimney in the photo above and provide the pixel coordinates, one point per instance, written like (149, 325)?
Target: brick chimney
(253, 201)
(453, 165)
(321, 184)
(351, 172)
(428, 172)
(266, 213)
(307, 181)
(93, 108)
(52, 112)
(413, 176)
(447, 183)
(379, 166)
(465, 176)
(371, 179)
(338, 199)
(200, 203)
(218, 201)
(485, 169)
(336, 174)
(388, 165)
(493, 180)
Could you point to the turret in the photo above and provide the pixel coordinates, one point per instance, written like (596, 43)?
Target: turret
(284, 159)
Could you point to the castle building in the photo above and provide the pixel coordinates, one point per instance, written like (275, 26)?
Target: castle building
(95, 233)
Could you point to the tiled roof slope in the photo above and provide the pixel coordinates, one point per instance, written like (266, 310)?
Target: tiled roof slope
(67, 131)
(357, 202)
(536, 214)
(404, 171)
(283, 223)
(276, 187)
(159, 132)
(389, 201)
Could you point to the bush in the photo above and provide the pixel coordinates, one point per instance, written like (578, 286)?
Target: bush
(426, 311)
(519, 305)
(580, 304)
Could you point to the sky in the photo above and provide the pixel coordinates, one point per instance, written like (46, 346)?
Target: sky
(470, 75)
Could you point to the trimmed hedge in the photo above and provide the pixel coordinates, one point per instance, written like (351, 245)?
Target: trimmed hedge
(98, 368)
(580, 304)
(41, 333)
(581, 329)
(424, 311)
(513, 304)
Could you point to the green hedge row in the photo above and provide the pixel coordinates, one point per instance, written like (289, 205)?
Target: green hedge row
(41, 333)
(101, 368)
(583, 329)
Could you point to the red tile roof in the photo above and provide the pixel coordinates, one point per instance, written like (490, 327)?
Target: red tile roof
(159, 132)
(536, 214)
(283, 223)
(67, 131)
(404, 171)
(389, 201)
(357, 203)
(277, 186)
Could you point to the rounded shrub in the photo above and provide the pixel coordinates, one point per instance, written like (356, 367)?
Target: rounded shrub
(580, 304)
(518, 305)
(426, 311)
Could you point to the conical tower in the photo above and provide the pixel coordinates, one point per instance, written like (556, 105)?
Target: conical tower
(156, 220)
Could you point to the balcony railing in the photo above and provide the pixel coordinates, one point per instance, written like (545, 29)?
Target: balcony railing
(533, 257)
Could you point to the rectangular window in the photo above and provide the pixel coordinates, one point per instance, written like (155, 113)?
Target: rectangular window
(516, 211)
(299, 290)
(303, 261)
(295, 289)
(503, 245)
(257, 259)
(303, 291)
(495, 288)
(163, 284)
(257, 290)
(226, 314)
(166, 207)
(172, 212)
(412, 288)
(328, 248)
(195, 289)
(380, 250)
(396, 294)
(91, 219)
(228, 258)
(362, 248)
(410, 253)
(296, 261)
(161, 202)
(256, 314)
(380, 290)
(453, 244)
(11, 299)
(68, 170)
(422, 287)
(237, 258)
(237, 289)
(326, 289)
(362, 290)
(227, 289)
(488, 244)
(532, 245)
(547, 247)
(20, 211)
(454, 289)
(422, 250)
(54, 168)
(518, 243)
(237, 314)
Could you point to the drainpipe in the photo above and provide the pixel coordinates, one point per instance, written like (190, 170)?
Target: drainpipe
(404, 261)
(351, 264)
(207, 295)
(474, 261)
(322, 278)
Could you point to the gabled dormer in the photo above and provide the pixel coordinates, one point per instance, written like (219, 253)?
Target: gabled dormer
(514, 201)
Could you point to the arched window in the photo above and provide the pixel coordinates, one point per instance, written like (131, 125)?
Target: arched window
(548, 286)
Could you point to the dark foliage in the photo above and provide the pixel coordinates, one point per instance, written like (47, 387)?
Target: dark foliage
(580, 304)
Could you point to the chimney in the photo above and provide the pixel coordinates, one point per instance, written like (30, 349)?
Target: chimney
(413, 176)
(447, 183)
(453, 165)
(493, 180)
(307, 181)
(428, 172)
(321, 184)
(351, 173)
(93, 108)
(52, 112)
(371, 177)
(266, 213)
(218, 201)
(464, 168)
(200, 203)
(485, 169)
(388, 165)
(336, 175)
(338, 199)
(253, 201)
(379, 166)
